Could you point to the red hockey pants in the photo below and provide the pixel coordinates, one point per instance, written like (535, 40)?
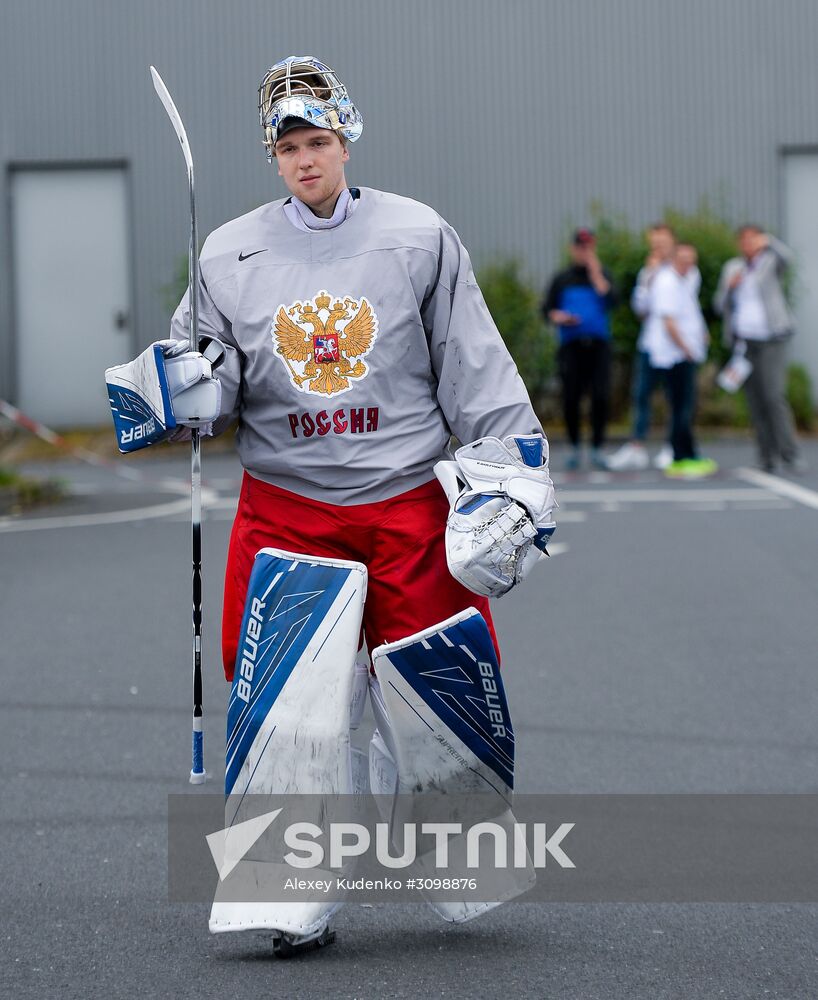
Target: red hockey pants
(400, 541)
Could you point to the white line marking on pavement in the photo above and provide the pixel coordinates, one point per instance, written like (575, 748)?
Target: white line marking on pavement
(215, 515)
(554, 549)
(85, 520)
(8, 524)
(781, 487)
(773, 503)
(706, 505)
(681, 495)
(226, 485)
(224, 503)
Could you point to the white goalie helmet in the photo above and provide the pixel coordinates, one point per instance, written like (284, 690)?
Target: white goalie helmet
(302, 87)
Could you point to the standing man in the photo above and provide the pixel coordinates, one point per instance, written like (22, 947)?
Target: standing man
(578, 302)
(751, 299)
(633, 455)
(676, 340)
(355, 344)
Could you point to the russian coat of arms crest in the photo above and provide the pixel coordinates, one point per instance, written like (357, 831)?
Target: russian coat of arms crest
(322, 342)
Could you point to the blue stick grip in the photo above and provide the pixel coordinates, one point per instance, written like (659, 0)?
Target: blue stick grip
(198, 753)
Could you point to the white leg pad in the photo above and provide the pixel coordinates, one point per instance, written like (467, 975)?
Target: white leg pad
(359, 762)
(450, 732)
(289, 712)
(360, 684)
(383, 771)
(383, 768)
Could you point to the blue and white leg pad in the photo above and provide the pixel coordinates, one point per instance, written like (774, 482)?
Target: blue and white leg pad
(448, 709)
(289, 713)
(451, 733)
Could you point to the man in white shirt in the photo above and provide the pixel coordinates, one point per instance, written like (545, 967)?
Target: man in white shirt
(676, 339)
(633, 455)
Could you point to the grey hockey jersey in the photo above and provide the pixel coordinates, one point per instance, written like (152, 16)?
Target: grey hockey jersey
(353, 353)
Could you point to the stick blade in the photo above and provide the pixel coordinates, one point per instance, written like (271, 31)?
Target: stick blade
(175, 119)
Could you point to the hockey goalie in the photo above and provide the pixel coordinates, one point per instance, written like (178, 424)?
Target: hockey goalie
(354, 345)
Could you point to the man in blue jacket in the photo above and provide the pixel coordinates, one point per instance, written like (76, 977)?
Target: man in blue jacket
(578, 302)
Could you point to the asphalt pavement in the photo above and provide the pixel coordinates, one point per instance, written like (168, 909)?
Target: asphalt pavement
(669, 645)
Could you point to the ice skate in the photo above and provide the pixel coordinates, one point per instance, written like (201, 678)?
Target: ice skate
(289, 945)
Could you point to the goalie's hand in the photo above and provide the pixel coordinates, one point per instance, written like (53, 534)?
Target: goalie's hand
(501, 511)
(195, 394)
(167, 385)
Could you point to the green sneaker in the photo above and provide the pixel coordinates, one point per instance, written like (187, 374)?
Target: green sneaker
(705, 466)
(691, 468)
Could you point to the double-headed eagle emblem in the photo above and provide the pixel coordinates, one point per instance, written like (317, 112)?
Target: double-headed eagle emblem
(316, 340)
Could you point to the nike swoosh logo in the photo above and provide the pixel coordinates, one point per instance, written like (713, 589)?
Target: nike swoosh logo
(244, 256)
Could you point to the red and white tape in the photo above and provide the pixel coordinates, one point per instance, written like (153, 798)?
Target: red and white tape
(53, 438)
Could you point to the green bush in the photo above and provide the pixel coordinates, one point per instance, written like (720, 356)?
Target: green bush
(19, 493)
(513, 302)
(714, 406)
(173, 291)
(717, 408)
(799, 394)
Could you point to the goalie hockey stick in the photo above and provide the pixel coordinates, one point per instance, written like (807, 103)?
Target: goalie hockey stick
(197, 772)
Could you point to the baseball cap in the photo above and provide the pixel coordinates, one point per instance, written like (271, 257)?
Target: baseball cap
(583, 236)
(292, 122)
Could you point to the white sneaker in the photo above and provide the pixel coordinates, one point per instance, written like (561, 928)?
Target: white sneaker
(629, 457)
(663, 457)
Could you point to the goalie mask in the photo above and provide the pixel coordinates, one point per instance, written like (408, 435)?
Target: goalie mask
(302, 87)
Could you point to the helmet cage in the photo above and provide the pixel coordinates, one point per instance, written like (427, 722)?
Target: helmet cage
(303, 87)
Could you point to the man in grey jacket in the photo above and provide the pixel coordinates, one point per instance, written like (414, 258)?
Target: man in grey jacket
(751, 299)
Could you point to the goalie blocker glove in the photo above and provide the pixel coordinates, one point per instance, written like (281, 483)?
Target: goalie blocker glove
(501, 511)
(167, 385)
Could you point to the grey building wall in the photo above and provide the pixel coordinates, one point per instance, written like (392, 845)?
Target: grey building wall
(509, 116)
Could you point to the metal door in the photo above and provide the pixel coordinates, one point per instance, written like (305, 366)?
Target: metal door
(71, 290)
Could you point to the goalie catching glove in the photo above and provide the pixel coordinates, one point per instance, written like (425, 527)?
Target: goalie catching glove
(167, 385)
(501, 511)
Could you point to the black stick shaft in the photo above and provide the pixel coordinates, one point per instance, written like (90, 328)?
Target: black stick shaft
(197, 773)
